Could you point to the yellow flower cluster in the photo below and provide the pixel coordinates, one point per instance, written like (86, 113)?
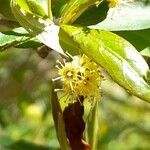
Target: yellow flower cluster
(117, 3)
(80, 77)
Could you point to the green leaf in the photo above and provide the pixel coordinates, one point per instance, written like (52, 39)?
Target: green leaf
(18, 32)
(92, 126)
(74, 9)
(93, 15)
(37, 26)
(67, 43)
(58, 120)
(29, 43)
(49, 5)
(30, 15)
(5, 10)
(19, 38)
(134, 17)
(117, 56)
(32, 7)
(7, 41)
(50, 38)
(58, 6)
(146, 52)
(147, 77)
(140, 38)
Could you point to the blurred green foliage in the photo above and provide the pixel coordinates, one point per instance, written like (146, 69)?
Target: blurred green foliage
(25, 110)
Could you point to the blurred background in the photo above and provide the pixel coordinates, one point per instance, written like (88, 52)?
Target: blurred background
(25, 110)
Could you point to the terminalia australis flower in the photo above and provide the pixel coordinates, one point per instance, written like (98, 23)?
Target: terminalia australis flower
(80, 77)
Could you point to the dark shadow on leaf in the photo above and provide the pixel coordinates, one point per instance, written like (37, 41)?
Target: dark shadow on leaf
(93, 15)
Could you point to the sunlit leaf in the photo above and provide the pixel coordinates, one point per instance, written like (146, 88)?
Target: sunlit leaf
(30, 15)
(17, 38)
(133, 17)
(32, 7)
(7, 41)
(146, 52)
(50, 38)
(117, 56)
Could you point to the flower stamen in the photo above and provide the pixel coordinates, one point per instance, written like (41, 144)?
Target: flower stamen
(80, 77)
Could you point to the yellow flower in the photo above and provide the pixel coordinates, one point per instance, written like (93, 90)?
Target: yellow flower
(68, 72)
(80, 77)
